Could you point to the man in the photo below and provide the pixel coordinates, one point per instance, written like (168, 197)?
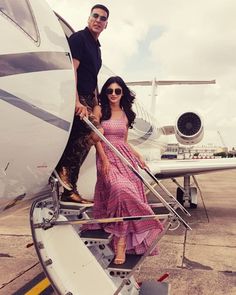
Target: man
(86, 54)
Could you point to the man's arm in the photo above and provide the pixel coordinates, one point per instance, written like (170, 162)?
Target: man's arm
(80, 109)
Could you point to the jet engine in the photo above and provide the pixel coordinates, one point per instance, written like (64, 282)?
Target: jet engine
(189, 128)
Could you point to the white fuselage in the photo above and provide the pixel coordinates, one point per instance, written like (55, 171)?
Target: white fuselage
(36, 100)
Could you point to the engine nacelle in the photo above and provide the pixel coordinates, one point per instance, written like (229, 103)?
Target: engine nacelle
(189, 128)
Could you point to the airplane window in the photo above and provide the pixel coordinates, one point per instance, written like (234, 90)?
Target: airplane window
(138, 110)
(142, 112)
(135, 109)
(148, 118)
(21, 14)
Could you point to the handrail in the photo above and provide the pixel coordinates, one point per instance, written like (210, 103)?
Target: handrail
(50, 223)
(166, 191)
(123, 159)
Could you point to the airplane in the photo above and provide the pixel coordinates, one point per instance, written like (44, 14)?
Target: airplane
(37, 106)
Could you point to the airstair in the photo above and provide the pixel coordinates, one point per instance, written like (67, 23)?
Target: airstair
(81, 262)
(54, 226)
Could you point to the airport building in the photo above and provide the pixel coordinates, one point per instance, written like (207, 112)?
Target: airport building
(177, 151)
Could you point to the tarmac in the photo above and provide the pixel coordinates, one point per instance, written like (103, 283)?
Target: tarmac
(199, 262)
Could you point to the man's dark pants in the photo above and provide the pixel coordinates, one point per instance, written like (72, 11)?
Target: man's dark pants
(79, 143)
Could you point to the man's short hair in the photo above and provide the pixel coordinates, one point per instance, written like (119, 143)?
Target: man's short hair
(101, 7)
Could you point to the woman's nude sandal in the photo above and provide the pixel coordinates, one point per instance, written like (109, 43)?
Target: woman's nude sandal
(74, 198)
(120, 251)
(77, 198)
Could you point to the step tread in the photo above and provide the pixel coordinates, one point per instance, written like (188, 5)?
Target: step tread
(97, 234)
(154, 287)
(130, 262)
(160, 210)
(74, 205)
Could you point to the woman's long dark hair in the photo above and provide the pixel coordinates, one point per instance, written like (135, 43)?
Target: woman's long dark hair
(125, 102)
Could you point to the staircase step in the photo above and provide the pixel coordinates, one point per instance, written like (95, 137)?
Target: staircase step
(160, 210)
(154, 287)
(93, 237)
(74, 205)
(130, 263)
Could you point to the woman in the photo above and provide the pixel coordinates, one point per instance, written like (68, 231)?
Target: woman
(119, 192)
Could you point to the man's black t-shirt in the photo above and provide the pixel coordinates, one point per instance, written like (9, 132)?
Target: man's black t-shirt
(87, 50)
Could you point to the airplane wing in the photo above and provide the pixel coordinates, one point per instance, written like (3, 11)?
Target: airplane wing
(177, 168)
(187, 192)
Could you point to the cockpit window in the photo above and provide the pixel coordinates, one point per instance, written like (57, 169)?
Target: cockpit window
(21, 14)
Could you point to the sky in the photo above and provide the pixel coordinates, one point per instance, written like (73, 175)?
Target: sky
(172, 40)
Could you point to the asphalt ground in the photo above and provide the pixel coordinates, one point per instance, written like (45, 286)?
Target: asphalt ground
(198, 262)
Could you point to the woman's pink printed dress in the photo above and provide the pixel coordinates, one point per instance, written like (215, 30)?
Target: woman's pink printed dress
(121, 193)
